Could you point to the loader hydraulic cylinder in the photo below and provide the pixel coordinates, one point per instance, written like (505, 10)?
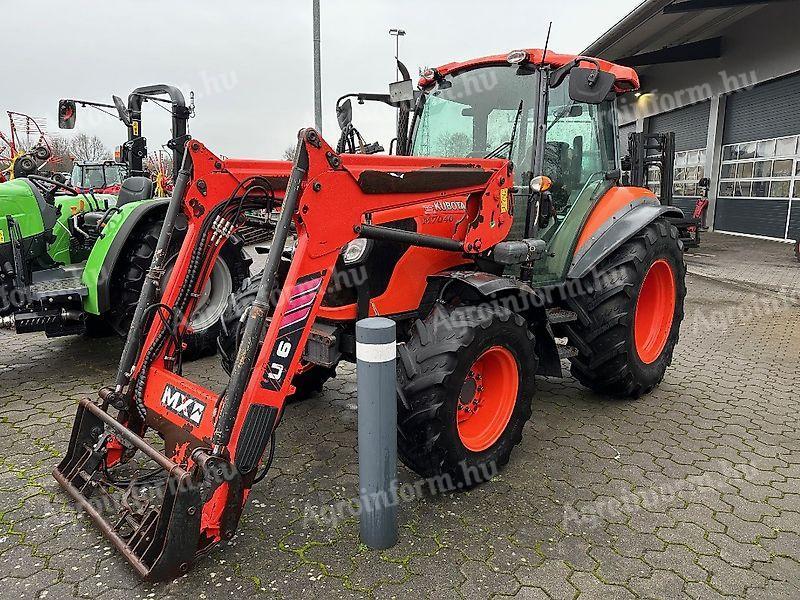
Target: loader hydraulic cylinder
(153, 277)
(243, 365)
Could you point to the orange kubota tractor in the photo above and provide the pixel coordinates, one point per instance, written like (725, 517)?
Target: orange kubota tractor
(498, 238)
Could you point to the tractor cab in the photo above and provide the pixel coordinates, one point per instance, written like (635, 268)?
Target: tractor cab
(552, 116)
(100, 177)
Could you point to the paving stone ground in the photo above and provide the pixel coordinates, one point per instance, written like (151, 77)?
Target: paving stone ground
(691, 492)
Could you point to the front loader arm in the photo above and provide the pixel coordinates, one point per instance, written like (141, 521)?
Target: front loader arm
(218, 439)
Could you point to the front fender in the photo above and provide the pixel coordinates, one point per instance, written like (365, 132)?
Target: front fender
(616, 230)
(509, 293)
(107, 250)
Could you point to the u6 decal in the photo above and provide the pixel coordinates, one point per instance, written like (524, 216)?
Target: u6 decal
(301, 301)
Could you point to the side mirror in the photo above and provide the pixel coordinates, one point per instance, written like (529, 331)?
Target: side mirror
(344, 114)
(590, 86)
(67, 113)
(401, 91)
(122, 111)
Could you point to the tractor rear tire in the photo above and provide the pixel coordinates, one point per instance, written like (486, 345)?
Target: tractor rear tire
(129, 276)
(629, 314)
(467, 381)
(308, 383)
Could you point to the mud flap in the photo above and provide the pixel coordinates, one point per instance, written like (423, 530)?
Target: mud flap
(160, 540)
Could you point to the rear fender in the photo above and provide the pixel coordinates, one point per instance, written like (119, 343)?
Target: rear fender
(108, 249)
(599, 240)
(491, 291)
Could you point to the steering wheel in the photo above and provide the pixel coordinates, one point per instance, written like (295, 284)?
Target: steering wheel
(42, 182)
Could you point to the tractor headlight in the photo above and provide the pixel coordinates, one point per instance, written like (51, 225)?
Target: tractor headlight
(355, 251)
(516, 57)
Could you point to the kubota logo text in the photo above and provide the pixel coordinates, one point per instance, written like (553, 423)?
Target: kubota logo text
(183, 405)
(446, 206)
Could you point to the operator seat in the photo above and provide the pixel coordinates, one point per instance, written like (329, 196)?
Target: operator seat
(133, 189)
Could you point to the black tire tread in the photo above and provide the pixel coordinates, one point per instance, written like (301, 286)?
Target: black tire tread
(308, 384)
(604, 315)
(130, 271)
(426, 367)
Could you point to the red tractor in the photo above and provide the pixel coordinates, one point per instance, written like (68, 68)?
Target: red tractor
(499, 239)
(103, 177)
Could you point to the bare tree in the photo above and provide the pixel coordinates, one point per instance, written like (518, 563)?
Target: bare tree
(62, 159)
(86, 148)
(288, 154)
(454, 144)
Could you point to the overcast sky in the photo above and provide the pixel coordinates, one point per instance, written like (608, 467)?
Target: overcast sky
(250, 62)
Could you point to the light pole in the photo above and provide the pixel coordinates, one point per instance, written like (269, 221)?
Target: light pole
(397, 33)
(317, 70)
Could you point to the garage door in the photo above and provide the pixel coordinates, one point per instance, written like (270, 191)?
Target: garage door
(690, 125)
(759, 183)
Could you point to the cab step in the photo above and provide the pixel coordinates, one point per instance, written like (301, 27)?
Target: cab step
(566, 351)
(58, 284)
(560, 315)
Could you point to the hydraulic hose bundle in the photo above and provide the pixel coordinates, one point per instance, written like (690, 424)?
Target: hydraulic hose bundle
(221, 223)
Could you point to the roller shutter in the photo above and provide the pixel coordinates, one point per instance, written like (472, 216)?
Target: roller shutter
(690, 125)
(770, 110)
(765, 113)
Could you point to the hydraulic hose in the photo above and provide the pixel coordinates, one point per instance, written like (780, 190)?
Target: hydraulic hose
(243, 364)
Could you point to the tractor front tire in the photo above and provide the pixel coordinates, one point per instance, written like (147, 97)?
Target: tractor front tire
(130, 272)
(629, 314)
(307, 383)
(467, 381)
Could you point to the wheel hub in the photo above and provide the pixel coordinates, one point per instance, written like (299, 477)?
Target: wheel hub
(487, 400)
(470, 399)
(212, 300)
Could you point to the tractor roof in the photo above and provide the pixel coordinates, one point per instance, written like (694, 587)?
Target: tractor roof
(627, 79)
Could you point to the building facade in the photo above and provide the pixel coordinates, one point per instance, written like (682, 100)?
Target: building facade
(724, 75)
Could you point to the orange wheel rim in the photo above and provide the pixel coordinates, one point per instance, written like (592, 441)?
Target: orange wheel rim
(487, 399)
(655, 310)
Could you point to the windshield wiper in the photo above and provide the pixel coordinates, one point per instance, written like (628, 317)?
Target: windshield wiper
(510, 143)
(497, 152)
(565, 112)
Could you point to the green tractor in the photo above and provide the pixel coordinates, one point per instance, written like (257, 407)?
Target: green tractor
(74, 261)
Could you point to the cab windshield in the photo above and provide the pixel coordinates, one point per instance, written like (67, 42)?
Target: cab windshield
(97, 176)
(473, 113)
(476, 113)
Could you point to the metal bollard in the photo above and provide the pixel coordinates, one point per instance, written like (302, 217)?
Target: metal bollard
(376, 352)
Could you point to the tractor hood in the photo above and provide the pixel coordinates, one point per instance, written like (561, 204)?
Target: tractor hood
(22, 201)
